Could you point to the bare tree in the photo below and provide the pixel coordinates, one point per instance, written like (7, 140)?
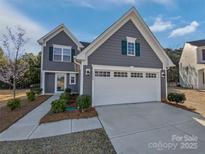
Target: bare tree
(13, 43)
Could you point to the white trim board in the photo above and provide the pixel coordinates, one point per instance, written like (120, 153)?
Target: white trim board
(134, 16)
(50, 71)
(122, 68)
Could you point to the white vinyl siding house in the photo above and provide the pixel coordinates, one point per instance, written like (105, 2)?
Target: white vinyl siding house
(192, 65)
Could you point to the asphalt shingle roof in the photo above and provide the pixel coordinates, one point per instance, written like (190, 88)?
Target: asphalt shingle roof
(198, 43)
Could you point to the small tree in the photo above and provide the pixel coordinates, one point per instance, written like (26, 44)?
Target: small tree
(13, 47)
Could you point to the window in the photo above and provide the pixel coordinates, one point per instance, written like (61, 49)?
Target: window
(203, 54)
(72, 79)
(120, 74)
(131, 46)
(66, 55)
(151, 75)
(61, 53)
(137, 75)
(102, 74)
(57, 54)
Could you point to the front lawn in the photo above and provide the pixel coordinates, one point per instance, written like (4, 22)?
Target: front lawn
(195, 99)
(8, 117)
(92, 142)
(5, 95)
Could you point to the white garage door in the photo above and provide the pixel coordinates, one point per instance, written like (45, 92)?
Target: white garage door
(118, 87)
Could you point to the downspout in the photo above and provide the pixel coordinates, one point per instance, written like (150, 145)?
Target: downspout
(81, 75)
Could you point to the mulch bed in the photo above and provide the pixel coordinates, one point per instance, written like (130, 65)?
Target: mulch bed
(92, 142)
(180, 106)
(8, 117)
(51, 117)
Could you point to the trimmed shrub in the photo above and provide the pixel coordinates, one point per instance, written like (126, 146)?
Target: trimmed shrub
(65, 96)
(176, 97)
(58, 106)
(83, 102)
(36, 88)
(14, 103)
(31, 96)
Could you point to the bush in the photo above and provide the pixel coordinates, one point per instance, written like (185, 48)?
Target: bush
(38, 91)
(58, 106)
(83, 102)
(36, 88)
(65, 96)
(176, 97)
(14, 103)
(31, 96)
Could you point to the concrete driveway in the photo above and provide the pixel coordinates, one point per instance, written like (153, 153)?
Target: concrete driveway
(153, 128)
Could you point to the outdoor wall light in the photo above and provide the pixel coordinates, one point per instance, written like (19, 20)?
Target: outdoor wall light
(163, 74)
(87, 72)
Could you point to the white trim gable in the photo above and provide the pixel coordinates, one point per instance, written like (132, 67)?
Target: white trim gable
(134, 16)
(57, 30)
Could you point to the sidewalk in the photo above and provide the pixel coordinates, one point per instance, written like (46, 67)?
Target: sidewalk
(28, 127)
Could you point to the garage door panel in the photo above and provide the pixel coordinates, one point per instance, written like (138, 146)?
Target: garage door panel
(117, 90)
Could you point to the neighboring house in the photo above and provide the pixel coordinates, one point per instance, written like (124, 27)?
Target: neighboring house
(125, 64)
(192, 65)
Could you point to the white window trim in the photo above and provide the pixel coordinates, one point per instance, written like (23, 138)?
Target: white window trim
(65, 81)
(130, 40)
(62, 47)
(70, 76)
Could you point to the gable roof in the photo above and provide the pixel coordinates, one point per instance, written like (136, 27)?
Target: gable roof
(85, 44)
(56, 31)
(198, 43)
(134, 16)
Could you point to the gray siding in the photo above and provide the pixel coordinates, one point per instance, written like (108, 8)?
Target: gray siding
(87, 88)
(49, 82)
(60, 39)
(109, 53)
(163, 86)
(75, 88)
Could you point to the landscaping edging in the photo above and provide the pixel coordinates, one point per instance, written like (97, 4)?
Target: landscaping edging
(181, 107)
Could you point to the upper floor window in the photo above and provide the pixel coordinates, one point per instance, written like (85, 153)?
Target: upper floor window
(61, 53)
(203, 54)
(131, 46)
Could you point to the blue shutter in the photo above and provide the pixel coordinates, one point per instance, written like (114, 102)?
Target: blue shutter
(50, 53)
(124, 47)
(73, 54)
(137, 49)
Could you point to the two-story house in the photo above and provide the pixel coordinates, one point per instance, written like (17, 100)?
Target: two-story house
(125, 64)
(192, 65)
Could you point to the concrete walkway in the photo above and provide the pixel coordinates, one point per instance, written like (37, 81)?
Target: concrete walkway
(28, 127)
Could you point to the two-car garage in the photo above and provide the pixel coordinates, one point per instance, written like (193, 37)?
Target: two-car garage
(125, 85)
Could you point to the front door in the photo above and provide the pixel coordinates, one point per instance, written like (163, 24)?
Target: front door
(60, 82)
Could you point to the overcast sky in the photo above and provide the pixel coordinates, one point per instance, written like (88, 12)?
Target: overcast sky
(172, 21)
